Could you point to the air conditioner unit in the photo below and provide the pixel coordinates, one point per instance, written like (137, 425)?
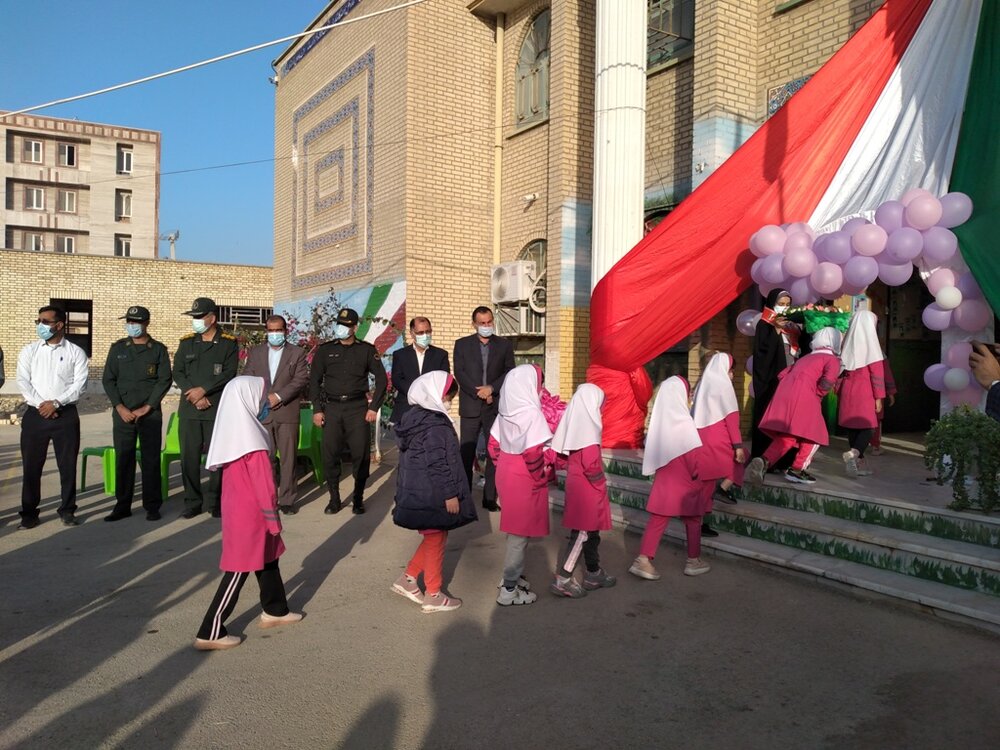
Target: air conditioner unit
(519, 320)
(512, 282)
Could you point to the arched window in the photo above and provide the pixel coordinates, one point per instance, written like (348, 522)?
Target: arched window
(531, 82)
(537, 252)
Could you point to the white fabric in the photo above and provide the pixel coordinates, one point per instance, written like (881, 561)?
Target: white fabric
(714, 396)
(581, 424)
(671, 428)
(52, 372)
(237, 431)
(861, 345)
(826, 338)
(427, 391)
(910, 136)
(520, 424)
(420, 358)
(274, 360)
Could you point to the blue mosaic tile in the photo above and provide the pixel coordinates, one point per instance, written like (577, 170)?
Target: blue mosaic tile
(337, 16)
(777, 96)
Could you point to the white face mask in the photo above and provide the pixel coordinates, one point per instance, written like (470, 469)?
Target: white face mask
(485, 331)
(780, 309)
(422, 340)
(341, 332)
(199, 325)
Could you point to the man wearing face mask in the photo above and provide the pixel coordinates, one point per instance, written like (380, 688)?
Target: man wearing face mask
(204, 362)
(412, 361)
(136, 378)
(338, 389)
(52, 375)
(482, 361)
(286, 373)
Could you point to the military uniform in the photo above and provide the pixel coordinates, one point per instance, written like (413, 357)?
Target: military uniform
(209, 365)
(136, 375)
(338, 389)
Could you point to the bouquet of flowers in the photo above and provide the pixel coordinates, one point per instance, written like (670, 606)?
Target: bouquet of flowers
(815, 317)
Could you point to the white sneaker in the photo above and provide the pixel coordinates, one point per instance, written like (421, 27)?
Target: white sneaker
(643, 568)
(273, 621)
(695, 566)
(219, 644)
(440, 602)
(851, 462)
(506, 597)
(755, 471)
(863, 470)
(522, 583)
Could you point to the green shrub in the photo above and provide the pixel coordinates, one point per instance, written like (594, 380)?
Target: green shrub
(964, 444)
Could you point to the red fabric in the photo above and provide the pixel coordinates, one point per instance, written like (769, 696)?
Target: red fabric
(781, 444)
(696, 261)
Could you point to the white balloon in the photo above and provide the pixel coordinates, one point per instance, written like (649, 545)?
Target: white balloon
(948, 298)
(956, 379)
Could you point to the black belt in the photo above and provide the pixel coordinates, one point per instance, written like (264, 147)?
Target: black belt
(355, 397)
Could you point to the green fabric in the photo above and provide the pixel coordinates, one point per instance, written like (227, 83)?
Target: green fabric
(977, 161)
(375, 301)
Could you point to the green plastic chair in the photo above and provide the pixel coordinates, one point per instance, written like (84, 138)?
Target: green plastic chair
(170, 453)
(310, 444)
(97, 451)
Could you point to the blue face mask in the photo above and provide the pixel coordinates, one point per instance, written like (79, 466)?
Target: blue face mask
(264, 411)
(276, 338)
(341, 332)
(44, 332)
(199, 325)
(423, 339)
(133, 330)
(485, 331)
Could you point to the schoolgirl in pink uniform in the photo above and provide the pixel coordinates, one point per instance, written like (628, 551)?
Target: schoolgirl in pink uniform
(587, 511)
(794, 418)
(674, 454)
(861, 389)
(251, 530)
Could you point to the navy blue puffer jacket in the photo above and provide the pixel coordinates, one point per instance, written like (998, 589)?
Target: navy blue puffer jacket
(430, 471)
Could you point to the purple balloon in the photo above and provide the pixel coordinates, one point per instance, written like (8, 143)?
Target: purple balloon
(904, 245)
(802, 292)
(935, 318)
(971, 396)
(956, 208)
(749, 366)
(827, 278)
(892, 274)
(870, 240)
(912, 194)
(940, 246)
(837, 248)
(797, 241)
(800, 227)
(967, 285)
(746, 322)
(958, 355)
(850, 290)
(860, 271)
(972, 315)
(889, 215)
(755, 270)
(772, 270)
(934, 377)
(922, 212)
(800, 261)
(853, 225)
(940, 279)
(767, 240)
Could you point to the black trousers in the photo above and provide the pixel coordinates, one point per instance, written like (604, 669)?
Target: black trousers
(148, 430)
(345, 425)
(272, 599)
(469, 429)
(590, 554)
(859, 439)
(195, 436)
(36, 433)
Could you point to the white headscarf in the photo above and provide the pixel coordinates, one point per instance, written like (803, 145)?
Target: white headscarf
(521, 424)
(826, 338)
(671, 429)
(237, 430)
(861, 345)
(427, 391)
(714, 396)
(580, 425)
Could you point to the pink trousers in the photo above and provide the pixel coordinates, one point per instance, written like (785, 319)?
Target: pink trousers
(657, 524)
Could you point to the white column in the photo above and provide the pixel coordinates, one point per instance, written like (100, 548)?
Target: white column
(619, 131)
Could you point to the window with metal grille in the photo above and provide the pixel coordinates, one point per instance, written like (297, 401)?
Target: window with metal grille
(245, 317)
(531, 79)
(669, 30)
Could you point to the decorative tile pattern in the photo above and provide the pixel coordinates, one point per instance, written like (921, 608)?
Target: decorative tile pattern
(337, 16)
(777, 96)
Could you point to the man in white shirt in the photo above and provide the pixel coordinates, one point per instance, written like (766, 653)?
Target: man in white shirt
(52, 375)
(412, 361)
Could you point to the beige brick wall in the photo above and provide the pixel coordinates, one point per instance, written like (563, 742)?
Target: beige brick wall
(167, 288)
(670, 130)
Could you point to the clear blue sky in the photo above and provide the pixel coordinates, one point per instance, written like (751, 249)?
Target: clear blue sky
(220, 114)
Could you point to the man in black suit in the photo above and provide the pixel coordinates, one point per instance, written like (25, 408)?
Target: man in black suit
(412, 361)
(482, 361)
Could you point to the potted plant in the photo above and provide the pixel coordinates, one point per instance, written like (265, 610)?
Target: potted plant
(964, 445)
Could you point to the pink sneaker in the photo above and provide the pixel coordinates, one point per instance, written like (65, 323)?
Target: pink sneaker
(406, 586)
(440, 602)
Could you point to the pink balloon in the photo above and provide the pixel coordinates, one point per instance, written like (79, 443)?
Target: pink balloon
(904, 245)
(910, 195)
(956, 208)
(800, 227)
(851, 290)
(772, 269)
(889, 215)
(972, 315)
(892, 274)
(798, 241)
(935, 318)
(940, 279)
(922, 212)
(968, 287)
(853, 225)
(746, 322)
(971, 396)
(800, 261)
(755, 270)
(802, 292)
(768, 240)
(836, 248)
(934, 377)
(958, 355)
(860, 271)
(870, 240)
(940, 246)
(827, 278)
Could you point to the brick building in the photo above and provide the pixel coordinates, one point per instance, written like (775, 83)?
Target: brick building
(79, 187)
(418, 150)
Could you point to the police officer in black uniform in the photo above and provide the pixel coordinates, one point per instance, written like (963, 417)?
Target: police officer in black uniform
(204, 362)
(136, 378)
(338, 389)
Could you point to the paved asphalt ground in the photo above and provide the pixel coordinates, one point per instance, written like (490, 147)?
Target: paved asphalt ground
(97, 622)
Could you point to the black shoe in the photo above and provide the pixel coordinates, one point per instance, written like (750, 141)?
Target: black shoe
(707, 530)
(288, 510)
(28, 523)
(153, 515)
(191, 513)
(69, 520)
(492, 507)
(358, 509)
(332, 507)
(216, 512)
(117, 515)
(726, 496)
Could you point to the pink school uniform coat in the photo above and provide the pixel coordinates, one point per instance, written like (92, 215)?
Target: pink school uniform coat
(587, 506)
(796, 409)
(677, 487)
(250, 526)
(523, 490)
(858, 390)
(719, 441)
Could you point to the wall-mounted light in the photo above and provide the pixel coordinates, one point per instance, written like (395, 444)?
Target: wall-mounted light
(529, 198)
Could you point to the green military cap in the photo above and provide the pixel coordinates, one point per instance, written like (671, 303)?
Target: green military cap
(136, 313)
(202, 307)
